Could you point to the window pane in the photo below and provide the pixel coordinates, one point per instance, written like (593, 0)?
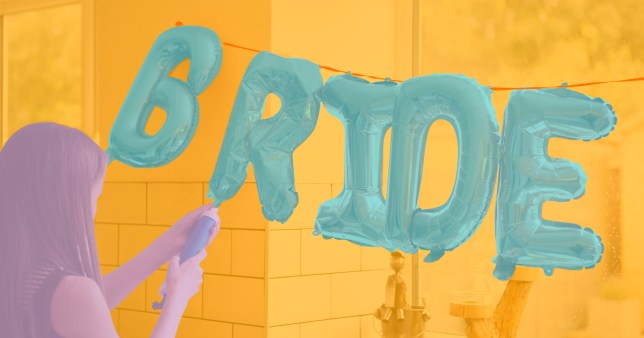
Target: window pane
(44, 80)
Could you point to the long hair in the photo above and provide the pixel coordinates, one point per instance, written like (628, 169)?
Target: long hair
(47, 172)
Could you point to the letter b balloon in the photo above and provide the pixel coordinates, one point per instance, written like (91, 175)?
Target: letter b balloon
(128, 142)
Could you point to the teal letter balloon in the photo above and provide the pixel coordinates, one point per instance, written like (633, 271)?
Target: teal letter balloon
(128, 141)
(268, 143)
(529, 177)
(366, 111)
(466, 105)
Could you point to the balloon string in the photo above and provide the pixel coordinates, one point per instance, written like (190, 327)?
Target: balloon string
(357, 74)
(240, 47)
(583, 84)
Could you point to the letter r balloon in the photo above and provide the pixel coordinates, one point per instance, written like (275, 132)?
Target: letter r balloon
(268, 143)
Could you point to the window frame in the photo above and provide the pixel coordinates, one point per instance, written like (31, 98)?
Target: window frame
(88, 115)
(407, 65)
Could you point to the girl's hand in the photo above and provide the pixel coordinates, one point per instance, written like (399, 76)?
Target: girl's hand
(182, 229)
(212, 213)
(183, 281)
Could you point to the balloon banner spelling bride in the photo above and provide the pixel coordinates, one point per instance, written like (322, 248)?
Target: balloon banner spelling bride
(528, 177)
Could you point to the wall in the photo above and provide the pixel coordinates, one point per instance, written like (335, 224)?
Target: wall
(137, 205)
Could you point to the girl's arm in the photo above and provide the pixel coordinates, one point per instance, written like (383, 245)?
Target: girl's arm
(119, 283)
(183, 281)
(79, 310)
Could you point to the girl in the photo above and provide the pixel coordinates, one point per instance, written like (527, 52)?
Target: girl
(50, 278)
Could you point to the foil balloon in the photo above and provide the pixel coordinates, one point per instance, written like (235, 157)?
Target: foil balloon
(268, 143)
(529, 177)
(466, 105)
(128, 141)
(366, 110)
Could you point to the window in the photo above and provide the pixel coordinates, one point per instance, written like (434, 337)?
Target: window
(44, 58)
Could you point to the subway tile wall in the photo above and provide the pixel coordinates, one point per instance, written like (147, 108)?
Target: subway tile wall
(231, 302)
(318, 287)
(261, 279)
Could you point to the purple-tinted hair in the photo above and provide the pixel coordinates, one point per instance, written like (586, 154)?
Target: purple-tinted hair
(46, 175)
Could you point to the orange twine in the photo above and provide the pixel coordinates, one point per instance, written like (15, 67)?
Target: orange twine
(335, 70)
